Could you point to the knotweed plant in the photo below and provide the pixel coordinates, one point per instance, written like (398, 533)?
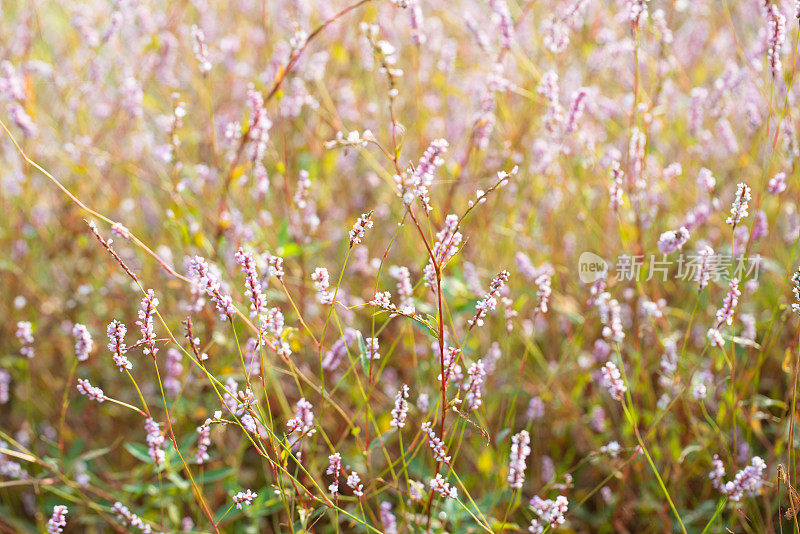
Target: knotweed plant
(399, 266)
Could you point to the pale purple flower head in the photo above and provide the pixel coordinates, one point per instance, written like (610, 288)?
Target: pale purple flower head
(551, 513)
(145, 322)
(612, 379)
(24, 334)
(777, 184)
(489, 301)
(322, 284)
(442, 487)
(776, 35)
(474, 386)
(5, 386)
(87, 389)
(252, 283)
(200, 50)
(354, 483)
(520, 449)
(303, 421)
(739, 207)
(363, 223)
(436, 444)
(58, 520)
(208, 282)
(715, 337)
(129, 518)
(388, 519)
(673, 240)
(83, 342)
(746, 483)
(244, 498)
(155, 442)
(334, 467)
(116, 344)
(400, 410)
(203, 442)
(725, 313)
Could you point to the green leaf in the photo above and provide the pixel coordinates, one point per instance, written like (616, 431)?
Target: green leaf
(497, 526)
(362, 348)
(95, 453)
(178, 481)
(380, 439)
(138, 451)
(216, 474)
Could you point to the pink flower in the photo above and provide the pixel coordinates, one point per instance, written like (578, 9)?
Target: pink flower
(739, 207)
(400, 410)
(83, 342)
(85, 388)
(436, 444)
(58, 520)
(244, 498)
(520, 449)
(359, 228)
(24, 334)
(612, 379)
(442, 487)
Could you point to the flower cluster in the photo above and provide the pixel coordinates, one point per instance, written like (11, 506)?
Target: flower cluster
(543, 292)
(448, 239)
(442, 487)
(777, 184)
(87, 389)
(5, 386)
(400, 410)
(244, 498)
(436, 444)
(124, 514)
(275, 266)
(388, 519)
(489, 301)
(354, 483)
(116, 344)
(673, 240)
(252, 283)
(612, 379)
(611, 316)
(520, 449)
(200, 49)
(372, 347)
(322, 284)
(24, 334)
(474, 386)
(776, 34)
(363, 223)
(208, 283)
(145, 322)
(747, 482)
(725, 313)
(740, 203)
(416, 183)
(302, 423)
(83, 342)
(203, 442)
(155, 442)
(58, 520)
(334, 467)
(703, 274)
(551, 513)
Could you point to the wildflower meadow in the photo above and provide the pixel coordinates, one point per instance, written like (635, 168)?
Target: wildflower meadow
(399, 266)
